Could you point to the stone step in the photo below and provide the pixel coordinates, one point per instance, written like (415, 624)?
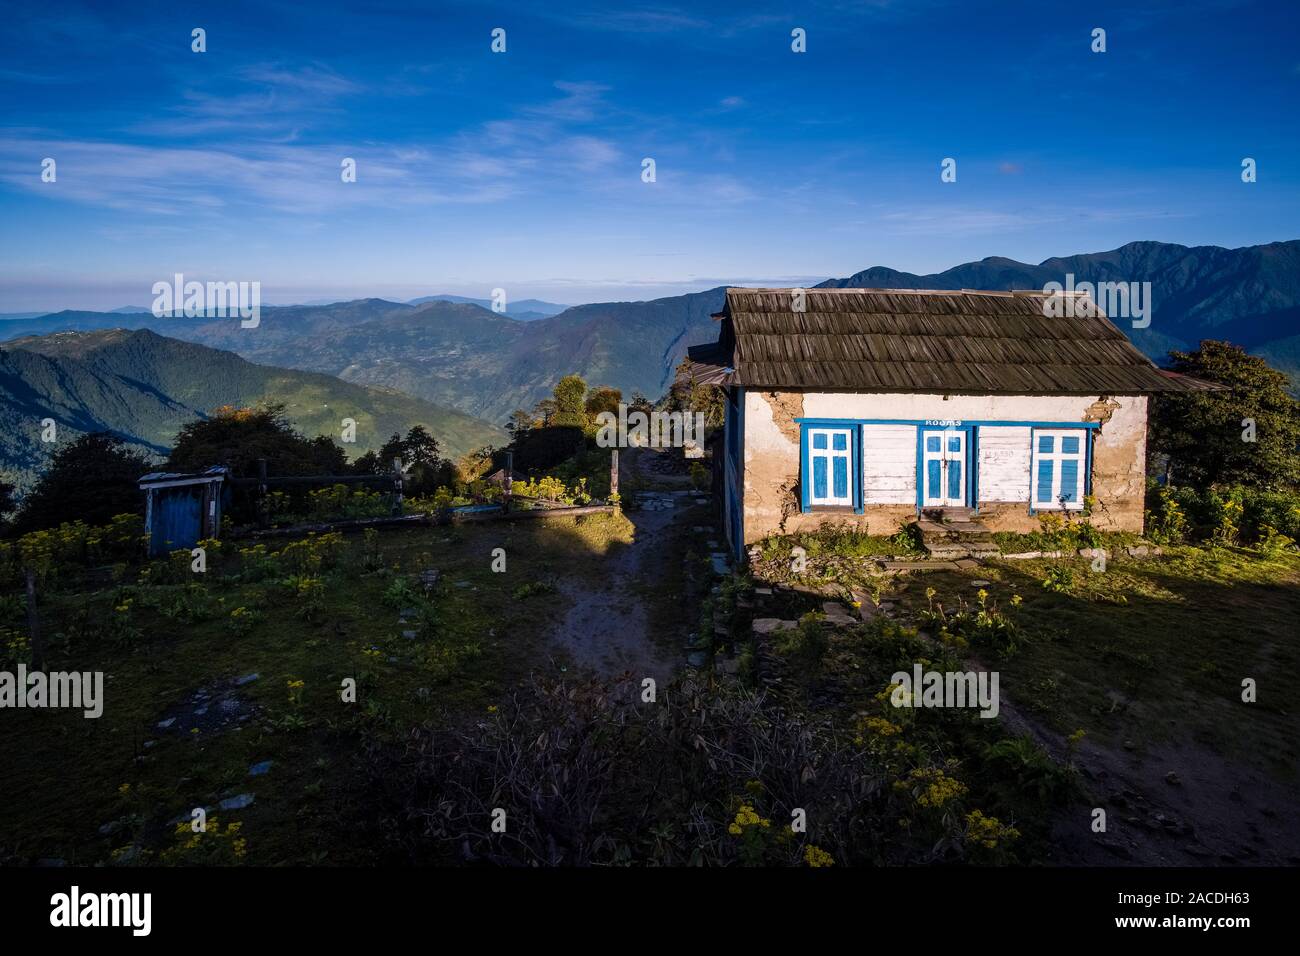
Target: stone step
(895, 566)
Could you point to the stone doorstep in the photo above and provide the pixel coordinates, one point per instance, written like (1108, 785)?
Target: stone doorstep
(940, 565)
(837, 613)
(966, 527)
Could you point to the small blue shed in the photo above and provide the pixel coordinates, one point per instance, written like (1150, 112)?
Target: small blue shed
(182, 509)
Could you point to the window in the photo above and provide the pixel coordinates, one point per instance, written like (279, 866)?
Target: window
(830, 466)
(1060, 468)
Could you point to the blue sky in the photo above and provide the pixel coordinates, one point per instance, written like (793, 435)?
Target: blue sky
(522, 170)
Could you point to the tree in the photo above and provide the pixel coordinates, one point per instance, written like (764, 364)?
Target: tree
(6, 499)
(238, 437)
(475, 464)
(520, 421)
(1248, 435)
(421, 447)
(92, 479)
(602, 399)
(570, 397)
(689, 395)
(367, 464)
(544, 412)
(541, 449)
(418, 453)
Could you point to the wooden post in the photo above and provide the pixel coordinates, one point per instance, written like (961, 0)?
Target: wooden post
(34, 624)
(509, 488)
(397, 486)
(613, 471)
(263, 512)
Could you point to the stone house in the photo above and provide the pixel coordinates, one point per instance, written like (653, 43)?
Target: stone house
(871, 406)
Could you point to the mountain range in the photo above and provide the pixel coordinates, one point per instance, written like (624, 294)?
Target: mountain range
(525, 309)
(460, 354)
(144, 387)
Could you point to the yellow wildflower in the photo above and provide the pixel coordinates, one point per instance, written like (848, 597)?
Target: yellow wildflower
(816, 856)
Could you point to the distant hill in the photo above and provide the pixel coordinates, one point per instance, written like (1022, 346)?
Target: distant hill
(144, 387)
(525, 309)
(1250, 296)
(460, 354)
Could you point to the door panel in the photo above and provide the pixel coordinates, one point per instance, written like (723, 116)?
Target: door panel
(944, 458)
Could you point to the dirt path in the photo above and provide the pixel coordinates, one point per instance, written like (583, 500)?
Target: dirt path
(613, 628)
(1172, 805)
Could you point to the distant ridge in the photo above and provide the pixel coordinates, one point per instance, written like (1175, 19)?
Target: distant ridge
(525, 309)
(144, 387)
(461, 354)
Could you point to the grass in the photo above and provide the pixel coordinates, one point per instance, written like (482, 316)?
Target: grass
(1140, 658)
(1151, 651)
(67, 777)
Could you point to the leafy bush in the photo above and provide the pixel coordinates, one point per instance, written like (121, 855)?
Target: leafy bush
(1235, 514)
(525, 591)
(400, 594)
(984, 624)
(313, 554)
(806, 643)
(1059, 578)
(339, 502)
(94, 477)
(71, 547)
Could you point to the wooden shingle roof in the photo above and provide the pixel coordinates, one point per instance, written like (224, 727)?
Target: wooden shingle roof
(893, 340)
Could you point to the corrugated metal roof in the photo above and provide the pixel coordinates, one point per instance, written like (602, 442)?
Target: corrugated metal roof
(182, 477)
(891, 340)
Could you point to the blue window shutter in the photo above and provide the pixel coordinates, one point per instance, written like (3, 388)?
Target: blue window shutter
(840, 474)
(840, 441)
(819, 476)
(932, 443)
(932, 478)
(1069, 445)
(1046, 443)
(819, 440)
(1070, 476)
(1044, 479)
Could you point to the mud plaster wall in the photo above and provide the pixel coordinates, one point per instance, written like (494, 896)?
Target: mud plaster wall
(771, 455)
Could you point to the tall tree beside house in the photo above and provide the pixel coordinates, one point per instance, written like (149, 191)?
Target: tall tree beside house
(238, 437)
(689, 395)
(91, 479)
(1207, 436)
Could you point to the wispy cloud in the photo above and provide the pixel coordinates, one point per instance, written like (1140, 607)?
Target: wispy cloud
(314, 79)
